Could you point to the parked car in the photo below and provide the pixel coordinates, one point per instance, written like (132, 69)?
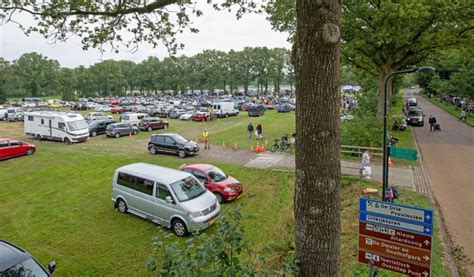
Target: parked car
(284, 108)
(411, 102)
(172, 143)
(98, 127)
(120, 129)
(415, 117)
(187, 116)
(152, 123)
(133, 118)
(345, 117)
(163, 113)
(256, 110)
(224, 187)
(17, 262)
(116, 109)
(169, 197)
(17, 116)
(103, 108)
(176, 113)
(10, 148)
(202, 116)
(97, 116)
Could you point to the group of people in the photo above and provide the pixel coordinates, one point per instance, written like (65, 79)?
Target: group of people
(258, 131)
(250, 131)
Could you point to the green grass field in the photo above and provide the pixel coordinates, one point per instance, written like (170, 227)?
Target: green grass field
(455, 111)
(57, 205)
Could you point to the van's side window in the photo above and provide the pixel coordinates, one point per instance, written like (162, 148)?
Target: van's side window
(61, 125)
(162, 192)
(30, 118)
(144, 185)
(126, 180)
(42, 121)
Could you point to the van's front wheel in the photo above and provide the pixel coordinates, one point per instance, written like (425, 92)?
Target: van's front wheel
(179, 228)
(121, 206)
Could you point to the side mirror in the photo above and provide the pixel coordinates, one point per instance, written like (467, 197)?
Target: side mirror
(169, 200)
(52, 267)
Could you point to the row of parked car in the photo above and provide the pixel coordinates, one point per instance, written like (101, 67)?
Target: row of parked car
(460, 102)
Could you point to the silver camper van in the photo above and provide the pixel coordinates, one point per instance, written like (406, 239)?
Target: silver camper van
(168, 197)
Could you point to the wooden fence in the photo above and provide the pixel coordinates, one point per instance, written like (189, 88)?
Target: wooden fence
(358, 150)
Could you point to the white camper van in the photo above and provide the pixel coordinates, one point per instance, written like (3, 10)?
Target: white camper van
(59, 126)
(224, 109)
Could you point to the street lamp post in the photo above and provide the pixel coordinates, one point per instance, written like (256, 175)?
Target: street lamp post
(423, 69)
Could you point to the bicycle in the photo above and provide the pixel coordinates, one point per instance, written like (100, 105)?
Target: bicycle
(282, 145)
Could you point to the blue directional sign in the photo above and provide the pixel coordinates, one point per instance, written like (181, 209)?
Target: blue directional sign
(396, 211)
(396, 223)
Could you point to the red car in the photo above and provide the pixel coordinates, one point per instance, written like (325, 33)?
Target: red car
(152, 123)
(116, 110)
(202, 116)
(10, 148)
(224, 187)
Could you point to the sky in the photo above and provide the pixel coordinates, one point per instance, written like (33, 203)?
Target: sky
(217, 30)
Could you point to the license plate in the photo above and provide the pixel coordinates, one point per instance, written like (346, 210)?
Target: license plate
(212, 222)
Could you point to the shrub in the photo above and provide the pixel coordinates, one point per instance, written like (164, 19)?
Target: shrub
(362, 131)
(226, 253)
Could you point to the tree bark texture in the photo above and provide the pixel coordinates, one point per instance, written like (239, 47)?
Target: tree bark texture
(317, 190)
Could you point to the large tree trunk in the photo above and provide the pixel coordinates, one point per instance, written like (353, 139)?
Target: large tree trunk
(318, 173)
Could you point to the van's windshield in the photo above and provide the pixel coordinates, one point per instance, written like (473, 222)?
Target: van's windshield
(77, 125)
(187, 189)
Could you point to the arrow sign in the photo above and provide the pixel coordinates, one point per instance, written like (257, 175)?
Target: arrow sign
(394, 223)
(403, 267)
(396, 211)
(394, 235)
(394, 250)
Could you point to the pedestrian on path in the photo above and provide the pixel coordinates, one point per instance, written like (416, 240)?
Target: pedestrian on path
(366, 169)
(462, 115)
(205, 135)
(259, 131)
(432, 121)
(250, 130)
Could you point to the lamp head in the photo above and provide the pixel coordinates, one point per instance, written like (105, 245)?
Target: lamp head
(425, 69)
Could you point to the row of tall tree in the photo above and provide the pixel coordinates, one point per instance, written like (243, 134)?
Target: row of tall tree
(35, 75)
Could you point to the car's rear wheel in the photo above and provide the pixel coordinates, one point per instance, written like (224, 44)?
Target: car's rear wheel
(181, 153)
(219, 197)
(30, 151)
(117, 135)
(135, 132)
(179, 228)
(121, 206)
(152, 150)
(150, 129)
(93, 133)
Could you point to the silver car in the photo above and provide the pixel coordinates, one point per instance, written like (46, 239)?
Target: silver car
(168, 197)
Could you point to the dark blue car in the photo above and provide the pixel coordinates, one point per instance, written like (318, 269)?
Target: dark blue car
(15, 261)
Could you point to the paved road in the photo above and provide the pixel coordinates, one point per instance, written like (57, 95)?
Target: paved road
(449, 159)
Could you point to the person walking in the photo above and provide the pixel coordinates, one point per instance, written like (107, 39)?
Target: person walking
(250, 130)
(366, 169)
(259, 131)
(432, 121)
(205, 135)
(462, 115)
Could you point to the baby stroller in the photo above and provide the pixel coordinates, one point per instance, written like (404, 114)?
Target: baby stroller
(436, 127)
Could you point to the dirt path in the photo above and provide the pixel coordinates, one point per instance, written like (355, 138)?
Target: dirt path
(449, 158)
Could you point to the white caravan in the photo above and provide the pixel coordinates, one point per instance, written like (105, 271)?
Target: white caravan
(224, 109)
(59, 126)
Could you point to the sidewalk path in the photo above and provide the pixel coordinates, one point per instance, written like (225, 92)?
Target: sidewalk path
(449, 159)
(398, 176)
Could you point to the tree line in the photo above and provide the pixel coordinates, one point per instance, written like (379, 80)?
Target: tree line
(35, 75)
